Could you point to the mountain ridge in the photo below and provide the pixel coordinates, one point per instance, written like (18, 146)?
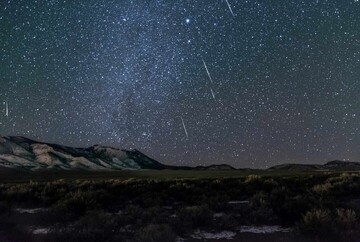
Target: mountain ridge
(330, 165)
(18, 152)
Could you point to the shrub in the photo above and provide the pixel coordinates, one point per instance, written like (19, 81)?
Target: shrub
(322, 189)
(316, 222)
(270, 184)
(289, 206)
(156, 233)
(133, 214)
(345, 219)
(75, 205)
(96, 220)
(260, 199)
(226, 222)
(253, 179)
(324, 223)
(193, 217)
(216, 203)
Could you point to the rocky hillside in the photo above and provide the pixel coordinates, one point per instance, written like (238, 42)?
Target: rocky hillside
(24, 153)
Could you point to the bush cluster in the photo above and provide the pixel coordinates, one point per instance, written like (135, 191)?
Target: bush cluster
(161, 210)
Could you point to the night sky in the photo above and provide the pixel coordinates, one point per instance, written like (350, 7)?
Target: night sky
(248, 83)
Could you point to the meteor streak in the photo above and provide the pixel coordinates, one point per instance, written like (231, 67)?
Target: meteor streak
(212, 92)
(227, 2)
(207, 71)
(6, 109)
(185, 130)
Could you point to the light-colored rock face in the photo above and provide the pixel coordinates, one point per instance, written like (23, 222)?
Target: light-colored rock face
(8, 160)
(40, 149)
(43, 154)
(81, 162)
(125, 164)
(20, 151)
(7, 147)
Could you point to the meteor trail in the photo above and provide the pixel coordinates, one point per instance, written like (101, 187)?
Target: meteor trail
(6, 109)
(227, 2)
(207, 71)
(212, 93)
(186, 133)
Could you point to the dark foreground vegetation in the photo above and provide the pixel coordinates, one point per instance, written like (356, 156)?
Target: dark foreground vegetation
(316, 207)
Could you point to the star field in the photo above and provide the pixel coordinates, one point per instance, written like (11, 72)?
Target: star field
(248, 83)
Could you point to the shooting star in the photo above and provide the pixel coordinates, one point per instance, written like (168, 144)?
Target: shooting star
(6, 109)
(228, 4)
(207, 71)
(212, 93)
(185, 130)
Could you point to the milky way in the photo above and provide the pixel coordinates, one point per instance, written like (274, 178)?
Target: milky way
(248, 83)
